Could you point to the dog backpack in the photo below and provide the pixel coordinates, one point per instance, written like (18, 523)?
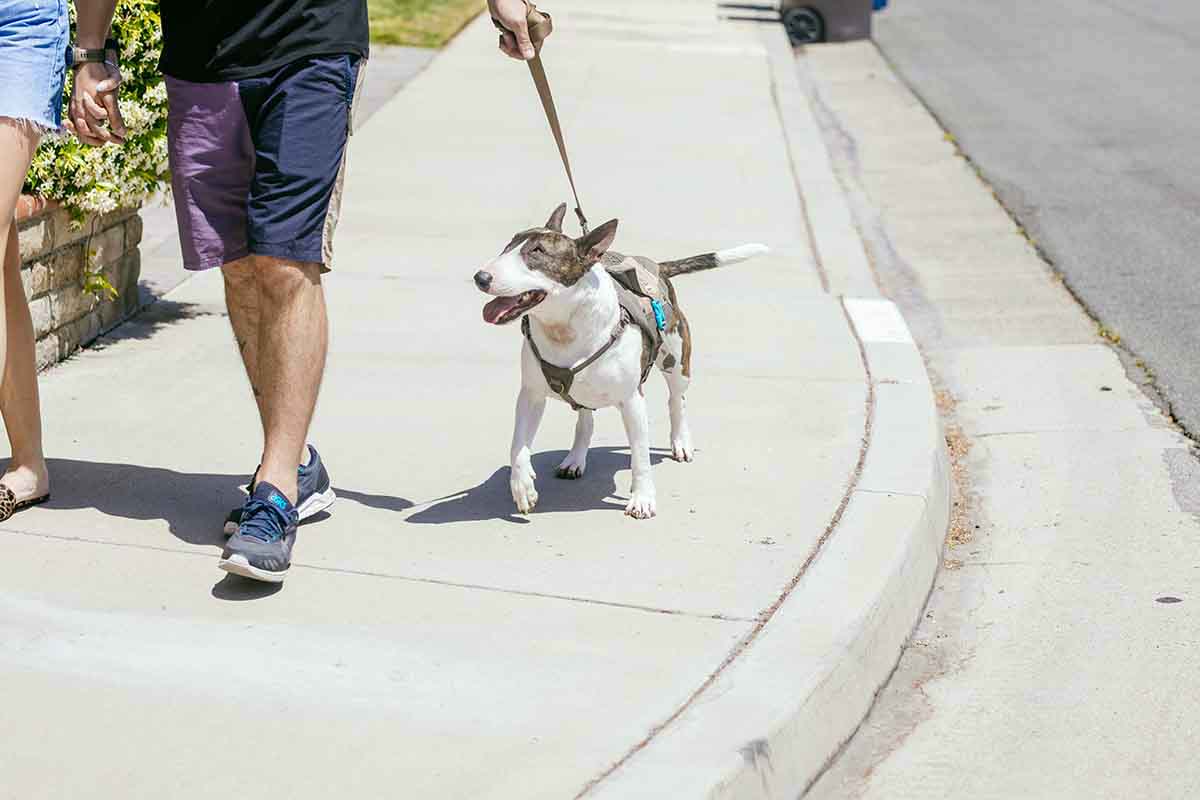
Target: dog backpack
(645, 297)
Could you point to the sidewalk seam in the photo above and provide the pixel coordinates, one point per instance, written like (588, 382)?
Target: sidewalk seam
(769, 613)
(404, 578)
(810, 234)
(776, 712)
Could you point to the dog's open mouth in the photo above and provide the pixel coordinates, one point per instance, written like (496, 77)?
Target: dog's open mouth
(506, 309)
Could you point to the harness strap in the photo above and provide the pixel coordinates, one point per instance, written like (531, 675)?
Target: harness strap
(560, 379)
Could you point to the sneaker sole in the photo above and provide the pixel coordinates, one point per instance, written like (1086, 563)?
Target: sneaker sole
(309, 508)
(238, 565)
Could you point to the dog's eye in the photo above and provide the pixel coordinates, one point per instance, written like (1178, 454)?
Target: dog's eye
(537, 248)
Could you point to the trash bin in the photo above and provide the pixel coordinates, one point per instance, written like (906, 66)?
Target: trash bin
(809, 21)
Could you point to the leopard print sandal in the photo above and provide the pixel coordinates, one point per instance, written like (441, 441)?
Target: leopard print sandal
(9, 504)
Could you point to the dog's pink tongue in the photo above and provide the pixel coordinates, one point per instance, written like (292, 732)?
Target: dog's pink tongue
(496, 309)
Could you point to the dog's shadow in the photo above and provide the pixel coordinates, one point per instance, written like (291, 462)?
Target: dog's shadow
(492, 499)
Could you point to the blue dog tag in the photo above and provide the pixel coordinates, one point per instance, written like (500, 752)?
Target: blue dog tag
(660, 317)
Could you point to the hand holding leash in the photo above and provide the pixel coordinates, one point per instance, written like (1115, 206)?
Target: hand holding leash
(522, 27)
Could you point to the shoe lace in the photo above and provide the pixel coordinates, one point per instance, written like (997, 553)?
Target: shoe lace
(262, 521)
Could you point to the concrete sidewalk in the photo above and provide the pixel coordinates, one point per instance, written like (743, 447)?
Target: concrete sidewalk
(429, 642)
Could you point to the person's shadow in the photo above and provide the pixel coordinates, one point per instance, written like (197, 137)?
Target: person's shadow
(192, 504)
(492, 499)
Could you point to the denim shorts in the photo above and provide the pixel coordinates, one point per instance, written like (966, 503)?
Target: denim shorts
(257, 164)
(33, 60)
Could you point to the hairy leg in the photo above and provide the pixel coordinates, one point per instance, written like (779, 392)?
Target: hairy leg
(289, 361)
(574, 465)
(241, 299)
(19, 402)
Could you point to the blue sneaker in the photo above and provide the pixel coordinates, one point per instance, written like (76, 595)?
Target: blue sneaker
(262, 547)
(316, 492)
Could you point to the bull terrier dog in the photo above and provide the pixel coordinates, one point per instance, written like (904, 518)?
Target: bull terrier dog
(595, 322)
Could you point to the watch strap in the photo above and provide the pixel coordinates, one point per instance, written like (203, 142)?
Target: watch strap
(107, 55)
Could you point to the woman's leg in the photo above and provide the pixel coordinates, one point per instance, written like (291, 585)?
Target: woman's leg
(26, 474)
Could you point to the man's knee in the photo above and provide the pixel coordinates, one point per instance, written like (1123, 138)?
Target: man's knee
(280, 281)
(239, 278)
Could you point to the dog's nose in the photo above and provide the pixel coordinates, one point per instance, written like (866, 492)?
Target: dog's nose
(483, 279)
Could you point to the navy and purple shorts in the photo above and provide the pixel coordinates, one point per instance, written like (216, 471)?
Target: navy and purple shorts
(257, 164)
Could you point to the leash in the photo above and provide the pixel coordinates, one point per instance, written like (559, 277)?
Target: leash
(540, 26)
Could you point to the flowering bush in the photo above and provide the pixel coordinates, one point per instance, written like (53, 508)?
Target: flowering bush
(101, 179)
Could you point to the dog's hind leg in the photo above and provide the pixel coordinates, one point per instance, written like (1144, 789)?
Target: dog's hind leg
(575, 463)
(681, 434)
(637, 428)
(530, 407)
(675, 365)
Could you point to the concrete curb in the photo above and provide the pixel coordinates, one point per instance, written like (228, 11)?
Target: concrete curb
(775, 715)
(836, 243)
(771, 721)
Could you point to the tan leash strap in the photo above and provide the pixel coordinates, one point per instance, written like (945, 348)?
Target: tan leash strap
(540, 26)
(543, 89)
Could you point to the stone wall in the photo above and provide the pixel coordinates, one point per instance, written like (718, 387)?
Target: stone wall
(55, 256)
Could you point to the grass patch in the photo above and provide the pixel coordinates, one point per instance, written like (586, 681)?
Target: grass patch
(420, 23)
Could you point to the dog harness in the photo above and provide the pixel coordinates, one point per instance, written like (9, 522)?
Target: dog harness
(645, 301)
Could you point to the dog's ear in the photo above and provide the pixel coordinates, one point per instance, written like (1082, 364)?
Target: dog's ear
(596, 243)
(556, 219)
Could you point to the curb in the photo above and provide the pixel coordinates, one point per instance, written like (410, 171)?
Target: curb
(771, 721)
(834, 237)
(779, 713)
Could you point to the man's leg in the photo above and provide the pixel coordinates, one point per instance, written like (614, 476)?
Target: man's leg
(241, 299)
(299, 117)
(286, 361)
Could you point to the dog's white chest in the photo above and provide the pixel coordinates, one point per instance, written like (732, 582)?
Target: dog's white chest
(609, 381)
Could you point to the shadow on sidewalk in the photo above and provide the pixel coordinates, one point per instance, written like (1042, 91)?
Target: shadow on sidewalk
(192, 504)
(152, 318)
(492, 499)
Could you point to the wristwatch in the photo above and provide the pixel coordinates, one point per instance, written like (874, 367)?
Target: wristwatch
(107, 55)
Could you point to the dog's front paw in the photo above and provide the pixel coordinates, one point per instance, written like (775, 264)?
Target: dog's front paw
(641, 505)
(682, 450)
(572, 467)
(523, 492)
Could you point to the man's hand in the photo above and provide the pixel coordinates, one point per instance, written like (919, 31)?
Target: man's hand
(510, 15)
(95, 116)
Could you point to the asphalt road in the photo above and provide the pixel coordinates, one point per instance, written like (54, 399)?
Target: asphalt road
(1085, 117)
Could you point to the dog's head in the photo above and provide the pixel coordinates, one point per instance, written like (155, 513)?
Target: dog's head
(537, 264)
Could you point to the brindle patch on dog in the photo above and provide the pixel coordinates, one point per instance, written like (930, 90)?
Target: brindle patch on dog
(558, 256)
(679, 324)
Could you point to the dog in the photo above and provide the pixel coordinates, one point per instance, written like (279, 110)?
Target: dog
(595, 323)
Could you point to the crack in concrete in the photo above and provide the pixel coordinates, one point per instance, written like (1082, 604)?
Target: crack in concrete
(766, 616)
(901, 703)
(804, 214)
(409, 579)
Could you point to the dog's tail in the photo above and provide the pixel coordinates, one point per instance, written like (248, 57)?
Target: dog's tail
(705, 261)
